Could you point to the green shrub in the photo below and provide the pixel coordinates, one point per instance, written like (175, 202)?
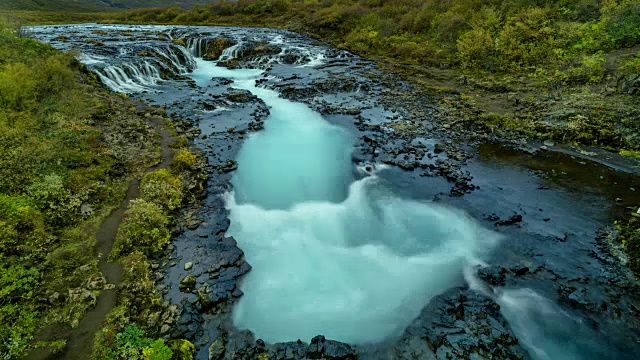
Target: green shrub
(17, 285)
(632, 66)
(21, 225)
(57, 203)
(182, 349)
(130, 344)
(622, 22)
(17, 87)
(157, 350)
(144, 228)
(185, 160)
(590, 70)
(162, 188)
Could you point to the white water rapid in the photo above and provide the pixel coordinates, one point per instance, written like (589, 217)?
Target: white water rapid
(330, 255)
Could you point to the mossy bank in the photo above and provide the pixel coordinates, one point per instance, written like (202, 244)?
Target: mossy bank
(68, 150)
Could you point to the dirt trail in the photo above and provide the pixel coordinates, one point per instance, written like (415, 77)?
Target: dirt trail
(80, 340)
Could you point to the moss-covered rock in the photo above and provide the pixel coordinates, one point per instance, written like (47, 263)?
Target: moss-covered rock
(214, 48)
(188, 283)
(182, 349)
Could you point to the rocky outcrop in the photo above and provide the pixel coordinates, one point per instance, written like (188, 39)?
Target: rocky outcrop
(215, 47)
(460, 324)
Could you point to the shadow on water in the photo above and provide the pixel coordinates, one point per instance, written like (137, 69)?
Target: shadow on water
(616, 180)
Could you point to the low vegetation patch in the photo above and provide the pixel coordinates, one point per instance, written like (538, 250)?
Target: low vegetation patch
(68, 148)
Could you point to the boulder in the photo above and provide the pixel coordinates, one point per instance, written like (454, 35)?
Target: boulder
(321, 348)
(460, 324)
(80, 295)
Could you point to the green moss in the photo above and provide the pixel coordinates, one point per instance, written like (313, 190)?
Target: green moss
(630, 153)
(178, 41)
(182, 349)
(629, 237)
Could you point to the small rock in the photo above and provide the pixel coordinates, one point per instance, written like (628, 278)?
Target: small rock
(520, 270)
(188, 283)
(86, 210)
(510, 221)
(549, 143)
(164, 329)
(216, 350)
(188, 266)
(56, 298)
(82, 296)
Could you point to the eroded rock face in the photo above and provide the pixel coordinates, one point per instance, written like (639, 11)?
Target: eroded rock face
(460, 324)
(215, 47)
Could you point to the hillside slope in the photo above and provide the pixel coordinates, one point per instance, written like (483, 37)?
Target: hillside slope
(93, 5)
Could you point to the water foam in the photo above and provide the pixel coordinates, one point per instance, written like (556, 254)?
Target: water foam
(332, 255)
(358, 271)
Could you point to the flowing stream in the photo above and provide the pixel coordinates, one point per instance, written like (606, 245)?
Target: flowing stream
(330, 254)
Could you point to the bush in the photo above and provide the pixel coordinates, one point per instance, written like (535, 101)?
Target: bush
(57, 203)
(17, 87)
(130, 344)
(162, 188)
(17, 284)
(182, 349)
(590, 70)
(21, 225)
(185, 160)
(144, 228)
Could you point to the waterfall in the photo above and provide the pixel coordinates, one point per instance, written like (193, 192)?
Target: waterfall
(230, 52)
(180, 59)
(197, 47)
(139, 76)
(117, 79)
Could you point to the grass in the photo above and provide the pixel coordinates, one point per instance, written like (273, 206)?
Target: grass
(54, 117)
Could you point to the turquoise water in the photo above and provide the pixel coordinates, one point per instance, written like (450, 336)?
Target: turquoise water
(331, 255)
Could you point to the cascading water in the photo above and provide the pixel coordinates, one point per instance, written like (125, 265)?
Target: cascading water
(547, 331)
(230, 52)
(178, 57)
(196, 46)
(139, 76)
(330, 255)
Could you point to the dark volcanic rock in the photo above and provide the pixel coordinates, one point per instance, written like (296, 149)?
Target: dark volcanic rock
(459, 324)
(321, 348)
(510, 221)
(290, 350)
(494, 275)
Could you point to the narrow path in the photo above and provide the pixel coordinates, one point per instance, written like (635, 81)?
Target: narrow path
(80, 340)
